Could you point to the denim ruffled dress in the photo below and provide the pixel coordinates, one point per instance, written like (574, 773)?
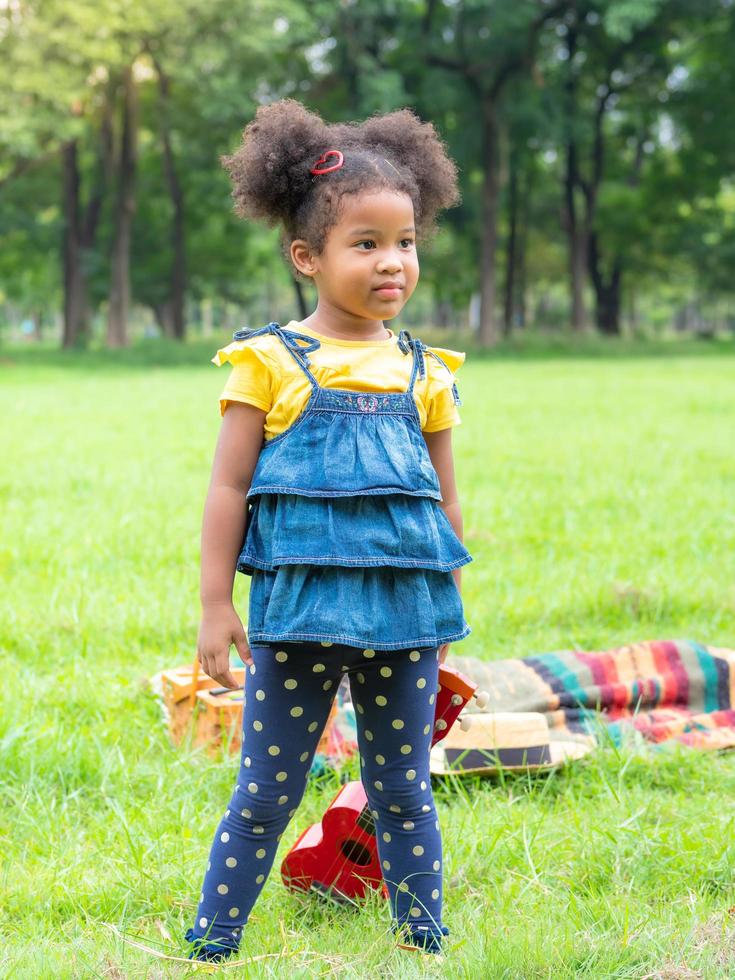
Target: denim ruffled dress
(345, 540)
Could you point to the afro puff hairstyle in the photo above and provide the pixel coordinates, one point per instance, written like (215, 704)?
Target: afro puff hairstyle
(272, 182)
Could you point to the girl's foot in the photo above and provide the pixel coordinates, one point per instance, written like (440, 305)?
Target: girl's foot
(212, 951)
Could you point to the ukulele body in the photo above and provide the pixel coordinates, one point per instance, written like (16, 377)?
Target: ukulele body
(338, 857)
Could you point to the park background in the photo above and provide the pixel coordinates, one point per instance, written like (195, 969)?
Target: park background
(587, 273)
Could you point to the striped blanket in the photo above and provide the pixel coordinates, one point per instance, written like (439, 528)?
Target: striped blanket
(659, 691)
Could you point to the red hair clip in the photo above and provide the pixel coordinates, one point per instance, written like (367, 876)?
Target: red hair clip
(323, 159)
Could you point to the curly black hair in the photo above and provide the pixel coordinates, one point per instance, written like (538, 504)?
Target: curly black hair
(272, 182)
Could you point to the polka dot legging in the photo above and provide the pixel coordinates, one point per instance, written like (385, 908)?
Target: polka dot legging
(288, 695)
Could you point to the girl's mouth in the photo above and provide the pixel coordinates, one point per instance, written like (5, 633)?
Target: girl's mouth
(389, 292)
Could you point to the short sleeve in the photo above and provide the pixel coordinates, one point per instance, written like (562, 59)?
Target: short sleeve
(441, 408)
(251, 378)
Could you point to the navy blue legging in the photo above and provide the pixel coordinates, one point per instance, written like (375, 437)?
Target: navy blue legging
(288, 695)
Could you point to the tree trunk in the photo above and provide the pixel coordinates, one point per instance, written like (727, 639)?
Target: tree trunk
(163, 313)
(576, 229)
(300, 298)
(488, 335)
(76, 315)
(512, 245)
(178, 245)
(119, 300)
(607, 292)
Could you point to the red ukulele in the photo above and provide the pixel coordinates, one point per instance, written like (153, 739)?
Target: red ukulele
(338, 857)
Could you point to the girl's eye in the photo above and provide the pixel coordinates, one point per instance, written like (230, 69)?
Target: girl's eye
(369, 241)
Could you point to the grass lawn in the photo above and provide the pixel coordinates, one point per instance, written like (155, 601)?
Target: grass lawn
(597, 497)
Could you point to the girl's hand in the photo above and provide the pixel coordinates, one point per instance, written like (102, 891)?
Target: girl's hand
(220, 627)
(443, 651)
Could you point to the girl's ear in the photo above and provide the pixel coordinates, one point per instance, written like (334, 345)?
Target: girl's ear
(302, 258)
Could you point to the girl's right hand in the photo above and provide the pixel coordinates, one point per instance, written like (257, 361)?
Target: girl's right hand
(221, 627)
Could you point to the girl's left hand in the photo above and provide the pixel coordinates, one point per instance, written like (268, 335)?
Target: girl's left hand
(443, 651)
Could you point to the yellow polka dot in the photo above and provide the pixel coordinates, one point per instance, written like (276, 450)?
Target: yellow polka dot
(405, 749)
(290, 684)
(326, 685)
(313, 726)
(303, 757)
(281, 656)
(397, 724)
(423, 784)
(360, 709)
(260, 695)
(403, 887)
(387, 837)
(427, 729)
(252, 668)
(260, 853)
(394, 808)
(377, 784)
(368, 735)
(425, 808)
(408, 825)
(282, 800)
(436, 865)
(327, 643)
(273, 750)
(231, 862)
(421, 682)
(368, 653)
(258, 726)
(435, 894)
(253, 787)
(361, 677)
(222, 889)
(380, 759)
(224, 836)
(385, 671)
(318, 668)
(246, 813)
(297, 712)
(411, 775)
(281, 776)
(234, 912)
(414, 655)
(258, 830)
(203, 922)
(381, 700)
(260, 879)
(415, 911)
(247, 761)
(386, 865)
(418, 850)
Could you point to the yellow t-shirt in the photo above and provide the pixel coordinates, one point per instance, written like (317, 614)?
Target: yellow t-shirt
(266, 375)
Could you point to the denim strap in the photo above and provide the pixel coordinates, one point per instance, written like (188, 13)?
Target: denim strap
(408, 343)
(291, 340)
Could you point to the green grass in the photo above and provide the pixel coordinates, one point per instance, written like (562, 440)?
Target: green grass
(598, 505)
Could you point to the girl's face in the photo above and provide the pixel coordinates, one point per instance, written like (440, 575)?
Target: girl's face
(373, 243)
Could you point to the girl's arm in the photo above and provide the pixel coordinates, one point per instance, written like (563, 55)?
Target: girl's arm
(439, 445)
(223, 527)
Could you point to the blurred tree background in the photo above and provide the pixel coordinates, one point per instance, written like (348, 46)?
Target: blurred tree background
(595, 142)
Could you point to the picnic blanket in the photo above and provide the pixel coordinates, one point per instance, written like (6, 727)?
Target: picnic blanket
(656, 692)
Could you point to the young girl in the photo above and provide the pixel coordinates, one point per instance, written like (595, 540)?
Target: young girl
(333, 488)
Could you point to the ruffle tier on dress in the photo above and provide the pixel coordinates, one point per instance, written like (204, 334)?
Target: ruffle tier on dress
(364, 530)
